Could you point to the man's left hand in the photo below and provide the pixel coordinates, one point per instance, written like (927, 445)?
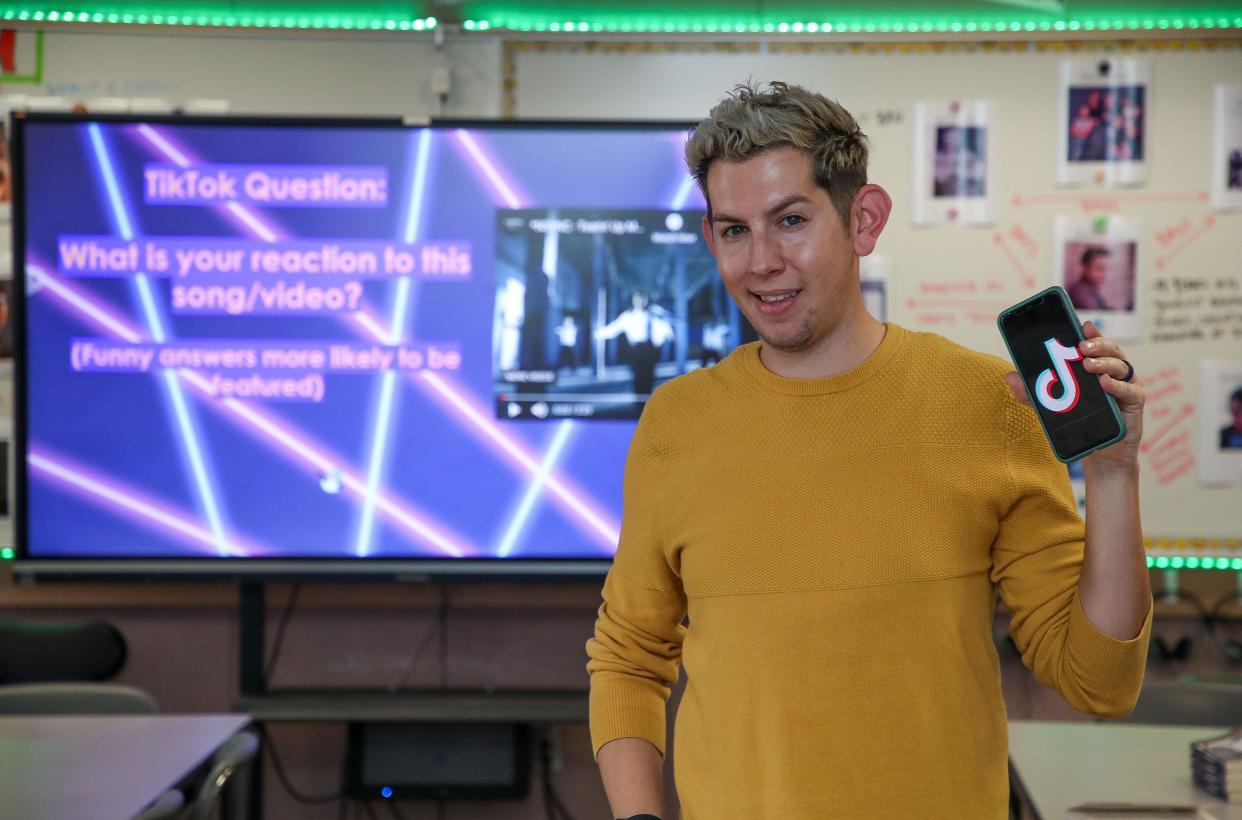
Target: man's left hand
(1105, 358)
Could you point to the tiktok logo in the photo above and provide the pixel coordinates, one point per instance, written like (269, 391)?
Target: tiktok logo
(1061, 357)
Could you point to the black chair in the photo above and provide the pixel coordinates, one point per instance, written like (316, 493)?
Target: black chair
(71, 651)
(1188, 703)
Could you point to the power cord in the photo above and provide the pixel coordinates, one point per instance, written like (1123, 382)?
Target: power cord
(279, 768)
(436, 630)
(552, 804)
(279, 641)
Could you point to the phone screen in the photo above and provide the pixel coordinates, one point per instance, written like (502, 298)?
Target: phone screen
(1043, 336)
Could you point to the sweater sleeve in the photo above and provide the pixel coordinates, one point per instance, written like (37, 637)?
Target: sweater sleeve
(636, 651)
(1036, 563)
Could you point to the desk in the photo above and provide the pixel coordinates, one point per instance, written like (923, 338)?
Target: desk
(101, 767)
(1056, 766)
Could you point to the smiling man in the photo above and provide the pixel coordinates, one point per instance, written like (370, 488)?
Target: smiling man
(835, 508)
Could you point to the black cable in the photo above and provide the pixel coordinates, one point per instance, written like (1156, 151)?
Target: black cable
(281, 626)
(369, 809)
(443, 621)
(434, 630)
(283, 777)
(553, 806)
(392, 809)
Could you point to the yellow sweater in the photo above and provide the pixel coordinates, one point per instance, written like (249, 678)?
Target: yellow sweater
(838, 544)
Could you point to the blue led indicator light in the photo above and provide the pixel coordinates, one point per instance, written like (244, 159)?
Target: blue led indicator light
(386, 792)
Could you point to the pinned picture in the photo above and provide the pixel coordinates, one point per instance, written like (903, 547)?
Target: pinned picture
(1220, 422)
(954, 164)
(1227, 149)
(873, 273)
(1102, 128)
(1098, 265)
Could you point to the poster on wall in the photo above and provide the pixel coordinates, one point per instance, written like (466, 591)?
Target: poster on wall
(1220, 422)
(873, 273)
(1097, 261)
(954, 163)
(1102, 127)
(1227, 149)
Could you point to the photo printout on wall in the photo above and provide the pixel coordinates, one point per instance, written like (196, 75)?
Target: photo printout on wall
(954, 163)
(873, 273)
(1220, 422)
(1227, 148)
(1097, 261)
(1102, 129)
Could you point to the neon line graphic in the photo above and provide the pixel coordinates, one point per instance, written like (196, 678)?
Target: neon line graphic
(388, 381)
(523, 459)
(484, 164)
(119, 214)
(288, 439)
(683, 193)
(189, 434)
(374, 328)
(379, 437)
(454, 400)
(296, 444)
(182, 159)
(86, 308)
(117, 497)
(518, 523)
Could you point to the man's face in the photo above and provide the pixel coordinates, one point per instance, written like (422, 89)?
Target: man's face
(782, 251)
(1097, 272)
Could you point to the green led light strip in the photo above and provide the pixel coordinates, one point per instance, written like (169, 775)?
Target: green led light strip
(363, 20)
(1194, 562)
(698, 26)
(234, 20)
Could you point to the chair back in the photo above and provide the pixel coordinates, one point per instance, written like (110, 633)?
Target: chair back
(73, 651)
(75, 699)
(1188, 703)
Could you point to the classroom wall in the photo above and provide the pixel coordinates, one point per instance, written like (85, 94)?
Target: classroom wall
(183, 638)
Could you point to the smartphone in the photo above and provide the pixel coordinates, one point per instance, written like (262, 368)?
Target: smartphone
(1042, 334)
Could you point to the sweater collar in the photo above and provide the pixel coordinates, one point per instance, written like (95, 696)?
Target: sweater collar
(894, 338)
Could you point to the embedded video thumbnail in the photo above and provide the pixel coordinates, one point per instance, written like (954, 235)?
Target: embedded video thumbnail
(595, 308)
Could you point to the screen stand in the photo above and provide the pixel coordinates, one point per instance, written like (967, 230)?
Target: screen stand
(250, 623)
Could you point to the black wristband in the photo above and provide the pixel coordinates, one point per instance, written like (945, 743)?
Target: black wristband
(640, 817)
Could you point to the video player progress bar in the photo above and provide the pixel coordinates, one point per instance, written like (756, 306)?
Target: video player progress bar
(619, 398)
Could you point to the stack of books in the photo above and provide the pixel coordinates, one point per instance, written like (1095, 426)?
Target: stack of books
(1216, 765)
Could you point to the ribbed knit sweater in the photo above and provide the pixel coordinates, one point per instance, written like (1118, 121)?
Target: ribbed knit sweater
(837, 545)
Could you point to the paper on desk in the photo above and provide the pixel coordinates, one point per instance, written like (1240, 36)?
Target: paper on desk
(1136, 811)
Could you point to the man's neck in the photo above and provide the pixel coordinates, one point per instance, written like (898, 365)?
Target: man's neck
(845, 348)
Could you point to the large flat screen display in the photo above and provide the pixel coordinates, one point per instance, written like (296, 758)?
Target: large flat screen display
(342, 345)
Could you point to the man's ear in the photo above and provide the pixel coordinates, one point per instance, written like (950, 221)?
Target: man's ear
(707, 234)
(872, 206)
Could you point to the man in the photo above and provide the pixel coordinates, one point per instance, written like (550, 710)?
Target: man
(1087, 291)
(645, 333)
(835, 508)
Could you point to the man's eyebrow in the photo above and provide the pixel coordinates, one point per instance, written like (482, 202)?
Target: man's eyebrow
(773, 211)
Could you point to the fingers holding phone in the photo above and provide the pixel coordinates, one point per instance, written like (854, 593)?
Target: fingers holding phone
(1106, 359)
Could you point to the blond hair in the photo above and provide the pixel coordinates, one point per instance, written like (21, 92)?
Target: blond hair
(751, 121)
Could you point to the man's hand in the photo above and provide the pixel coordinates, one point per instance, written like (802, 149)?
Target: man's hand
(1114, 589)
(1105, 358)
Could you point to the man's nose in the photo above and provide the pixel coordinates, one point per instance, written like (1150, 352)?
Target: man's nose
(765, 255)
